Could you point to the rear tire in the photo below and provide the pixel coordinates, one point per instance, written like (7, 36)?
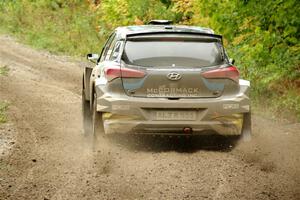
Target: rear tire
(246, 129)
(97, 124)
(86, 115)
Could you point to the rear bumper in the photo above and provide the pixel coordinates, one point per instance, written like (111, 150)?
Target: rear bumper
(229, 127)
(222, 115)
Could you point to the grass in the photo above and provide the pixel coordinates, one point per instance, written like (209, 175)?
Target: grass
(3, 109)
(66, 30)
(4, 70)
(285, 106)
(3, 104)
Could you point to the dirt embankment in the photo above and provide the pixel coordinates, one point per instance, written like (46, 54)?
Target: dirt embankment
(45, 155)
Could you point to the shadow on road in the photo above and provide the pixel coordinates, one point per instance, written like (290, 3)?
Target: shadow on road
(179, 144)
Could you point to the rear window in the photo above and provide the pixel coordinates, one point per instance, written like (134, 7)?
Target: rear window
(173, 53)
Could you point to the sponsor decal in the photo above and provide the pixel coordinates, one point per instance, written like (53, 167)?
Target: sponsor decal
(120, 107)
(246, 107)
(163, 91)
(230, 106)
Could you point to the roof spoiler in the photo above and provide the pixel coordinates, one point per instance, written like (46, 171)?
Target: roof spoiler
(160, 22)
(175, 32)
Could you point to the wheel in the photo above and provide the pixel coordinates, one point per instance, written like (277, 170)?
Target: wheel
(97, 124)
(246, 128)
(86, 115)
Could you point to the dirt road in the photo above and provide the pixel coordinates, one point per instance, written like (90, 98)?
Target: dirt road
(45, 155)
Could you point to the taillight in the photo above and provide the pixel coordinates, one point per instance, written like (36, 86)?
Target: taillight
(227, 72)
(112, 73)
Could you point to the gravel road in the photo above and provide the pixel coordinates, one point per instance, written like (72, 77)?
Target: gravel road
(45, 155)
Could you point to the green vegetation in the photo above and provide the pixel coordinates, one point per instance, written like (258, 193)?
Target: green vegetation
(262, 35)
(3, 105)
(58, 26)
(4, 70)
(3, 108)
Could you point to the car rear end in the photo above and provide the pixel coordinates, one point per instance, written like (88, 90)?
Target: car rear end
(172, 84)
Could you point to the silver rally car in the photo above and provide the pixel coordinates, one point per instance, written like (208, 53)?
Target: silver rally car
(167, 80)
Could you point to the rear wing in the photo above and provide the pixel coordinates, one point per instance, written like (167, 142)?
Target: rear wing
(166, 34)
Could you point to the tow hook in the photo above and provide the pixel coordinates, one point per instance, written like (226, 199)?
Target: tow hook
(187, 130)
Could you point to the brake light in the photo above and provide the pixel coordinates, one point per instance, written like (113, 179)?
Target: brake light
(227, 72)
(112, 73)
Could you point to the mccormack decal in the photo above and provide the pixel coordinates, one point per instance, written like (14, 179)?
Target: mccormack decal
(173, 92)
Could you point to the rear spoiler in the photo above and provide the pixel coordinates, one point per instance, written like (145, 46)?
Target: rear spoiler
(134, 36)
(173, 32)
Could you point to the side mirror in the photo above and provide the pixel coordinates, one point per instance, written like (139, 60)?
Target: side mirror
(92, 57)
(231, 61)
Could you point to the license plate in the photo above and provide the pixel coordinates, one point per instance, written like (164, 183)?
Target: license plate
(175, 115)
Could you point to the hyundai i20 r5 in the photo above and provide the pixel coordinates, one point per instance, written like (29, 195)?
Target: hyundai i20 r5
(167, 80)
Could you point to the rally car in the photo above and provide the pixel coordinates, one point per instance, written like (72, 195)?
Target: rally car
(165, 79)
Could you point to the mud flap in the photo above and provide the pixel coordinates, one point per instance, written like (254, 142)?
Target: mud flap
(86, 116)
(246, 130)
(97, 124)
